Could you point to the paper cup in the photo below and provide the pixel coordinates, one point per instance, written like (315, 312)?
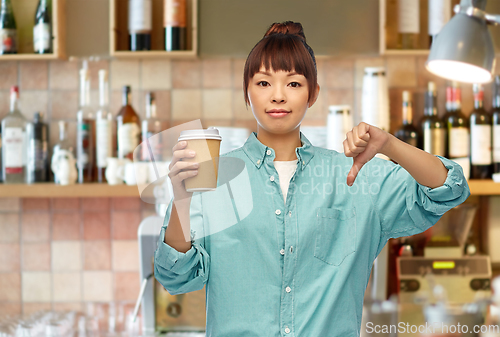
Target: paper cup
(206, 144)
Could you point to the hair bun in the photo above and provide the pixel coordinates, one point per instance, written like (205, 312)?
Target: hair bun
(287, 27)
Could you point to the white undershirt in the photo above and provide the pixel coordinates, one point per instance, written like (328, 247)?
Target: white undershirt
(286, 170)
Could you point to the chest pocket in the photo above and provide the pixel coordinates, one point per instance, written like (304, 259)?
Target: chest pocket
(335, 235)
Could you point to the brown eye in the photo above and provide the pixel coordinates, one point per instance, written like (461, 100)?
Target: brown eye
(263, 83)
(295, 84)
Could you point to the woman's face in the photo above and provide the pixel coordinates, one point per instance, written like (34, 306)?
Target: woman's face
(279, 99)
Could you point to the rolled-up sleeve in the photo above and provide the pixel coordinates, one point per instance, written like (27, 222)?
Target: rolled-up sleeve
(181, 272)
(406, 207)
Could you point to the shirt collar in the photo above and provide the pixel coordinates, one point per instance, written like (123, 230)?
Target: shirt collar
(257, 151)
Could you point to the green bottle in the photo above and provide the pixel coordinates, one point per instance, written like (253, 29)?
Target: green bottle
(42, 30)
(8, 30)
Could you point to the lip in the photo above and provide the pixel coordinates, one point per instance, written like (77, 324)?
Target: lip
(277, 113)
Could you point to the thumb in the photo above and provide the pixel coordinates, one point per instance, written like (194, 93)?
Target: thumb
(358, 162)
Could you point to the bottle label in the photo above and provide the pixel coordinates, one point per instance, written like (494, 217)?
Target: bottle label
(83, 146)
(41, 36)
(103, 141)
(459, 142)
(409, 16)
(128, 138)
(13, 146)
(496, 143)
(8, 40)
(480, 136)
(175, 13)
(140, 16)
(439, 15)
(434, 141)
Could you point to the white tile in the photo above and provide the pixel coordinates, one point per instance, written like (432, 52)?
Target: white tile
(125, 254)
(156, 74)
(67, 287)
(36, 287)
(124, 73)
(66, 256)
(186, 104)
(97, 286)
(217, 104)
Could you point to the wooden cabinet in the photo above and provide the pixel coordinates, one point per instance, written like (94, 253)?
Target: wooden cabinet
(24, 12)
(119, 36)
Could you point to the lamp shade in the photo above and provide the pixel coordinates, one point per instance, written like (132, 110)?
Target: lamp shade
(463, 51)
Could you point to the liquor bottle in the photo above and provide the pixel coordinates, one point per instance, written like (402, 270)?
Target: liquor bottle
(408, 23)
(407, 132)
(480, 137)
(63, 144)
(42, 31)
(85, 131)
(439, 15)
(128, 126)
(457, 130)
(104, 123)
(433, 130)
(175, 24)
(452, 91)
(151, 132)
(140, 24)
(496, 124)
(8, 30)
(37, 135)
(14, 142)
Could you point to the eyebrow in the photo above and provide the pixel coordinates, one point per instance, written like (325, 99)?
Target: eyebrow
(269, 74)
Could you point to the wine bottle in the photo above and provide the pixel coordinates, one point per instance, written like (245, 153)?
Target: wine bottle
(496, 124)
(408, 23)
(63, 144)
(457, 129)
(128, 126)
(175, 25)
(85, 132)
(14, 142)
(42, 31)
(8, 30)
(480, 137)
(37, 135)
(151, 132)
(407, 132)
(439, 15)
(140, 24)
(104, 122)
(433, 131)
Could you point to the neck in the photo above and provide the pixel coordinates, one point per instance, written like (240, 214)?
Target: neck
(284, 145)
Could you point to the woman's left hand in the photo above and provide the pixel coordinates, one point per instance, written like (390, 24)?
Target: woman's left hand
(362, 143)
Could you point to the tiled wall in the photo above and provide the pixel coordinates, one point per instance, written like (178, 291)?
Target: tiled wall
(62, 253)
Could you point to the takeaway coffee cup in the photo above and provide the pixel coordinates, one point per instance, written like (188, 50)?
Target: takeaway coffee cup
(206, 144)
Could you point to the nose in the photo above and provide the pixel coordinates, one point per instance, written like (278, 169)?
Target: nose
(278, 95)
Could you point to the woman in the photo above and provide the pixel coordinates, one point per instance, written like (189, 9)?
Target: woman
(298, 264)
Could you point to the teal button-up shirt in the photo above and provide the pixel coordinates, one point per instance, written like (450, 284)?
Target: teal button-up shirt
(298, 268)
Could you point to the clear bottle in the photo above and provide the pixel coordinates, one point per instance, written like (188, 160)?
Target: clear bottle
(85, 131)
(14, 142)
(128, 126)
(151, 132)
(408, 24)
(480, 137)
(433, 130)
(408, 133)
(8, 29)
(37, 135)
(63, 143)
(42, 30)
(104, 131)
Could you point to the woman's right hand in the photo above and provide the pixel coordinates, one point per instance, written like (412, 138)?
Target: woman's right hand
(180, 170)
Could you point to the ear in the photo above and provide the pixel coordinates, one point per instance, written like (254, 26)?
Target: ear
(314, 97)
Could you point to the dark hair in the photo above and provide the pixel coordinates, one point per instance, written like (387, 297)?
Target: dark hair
(283, 47)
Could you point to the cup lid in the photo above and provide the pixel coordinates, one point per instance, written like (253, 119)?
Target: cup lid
(210, 133)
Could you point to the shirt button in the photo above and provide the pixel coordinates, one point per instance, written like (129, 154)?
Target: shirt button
(258, 162)
(290, 213)
(303, 162)
(268, 152)
(278, 212)
(288, 289)
(272, 178)
(287, 330)
(282, 252)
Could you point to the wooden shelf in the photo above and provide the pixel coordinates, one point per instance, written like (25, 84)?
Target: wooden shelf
(51, 190)
(484, 187)
(24, 11)
(119, 36)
